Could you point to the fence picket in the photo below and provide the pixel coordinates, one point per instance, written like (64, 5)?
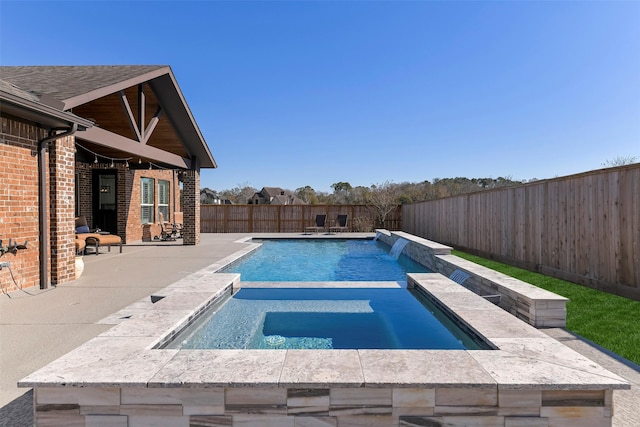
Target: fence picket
(584, 228)
(287, 218)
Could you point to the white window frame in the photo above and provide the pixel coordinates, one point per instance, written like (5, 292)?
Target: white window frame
(147, 199)
(164, 195)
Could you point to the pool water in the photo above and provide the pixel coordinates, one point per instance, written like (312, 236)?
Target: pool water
(319, 260)
(325, 318)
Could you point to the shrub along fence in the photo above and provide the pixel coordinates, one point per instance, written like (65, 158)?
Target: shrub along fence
(583, 228)
(289, 218)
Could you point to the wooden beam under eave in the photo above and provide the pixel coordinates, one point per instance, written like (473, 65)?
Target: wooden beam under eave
(105, 138)
(141, 107)
(132, 120)
(152, 125)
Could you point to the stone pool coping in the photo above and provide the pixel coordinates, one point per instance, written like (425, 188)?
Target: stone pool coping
(126, 355)
(534, 305)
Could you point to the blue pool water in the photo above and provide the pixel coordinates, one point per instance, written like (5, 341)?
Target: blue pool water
(318, 260)
(326, 318)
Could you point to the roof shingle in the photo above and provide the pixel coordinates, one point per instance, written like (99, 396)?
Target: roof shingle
(65, 82)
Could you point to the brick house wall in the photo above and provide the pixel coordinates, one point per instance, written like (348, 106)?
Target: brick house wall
(191, 207)
(135, 228)
(62, 209)
(130, 228)
(84, 182)
(19, 200)
(19, 206)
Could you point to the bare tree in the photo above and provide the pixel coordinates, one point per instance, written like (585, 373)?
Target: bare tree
(384, 199)
(241, 193)
(620, 161)
(360, 194)
(308, 194)
(402, 193)
(342, 192)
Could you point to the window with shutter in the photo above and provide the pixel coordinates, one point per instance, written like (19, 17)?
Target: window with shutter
(146, 202)
(163, 199)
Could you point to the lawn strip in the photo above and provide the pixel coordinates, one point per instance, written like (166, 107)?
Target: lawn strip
(606, 319)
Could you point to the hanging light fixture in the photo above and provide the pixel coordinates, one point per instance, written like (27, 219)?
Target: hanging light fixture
(126, 164)
(112, 164)
(139, 161)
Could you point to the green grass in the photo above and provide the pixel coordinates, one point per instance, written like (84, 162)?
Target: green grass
(608, 320)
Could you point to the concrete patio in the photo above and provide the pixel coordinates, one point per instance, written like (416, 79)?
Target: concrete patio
(37, 327)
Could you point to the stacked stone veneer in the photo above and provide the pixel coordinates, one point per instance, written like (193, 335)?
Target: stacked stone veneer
(276, 406)
(534, 305)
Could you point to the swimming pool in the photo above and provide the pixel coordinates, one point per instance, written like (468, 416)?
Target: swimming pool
(128, 369)
(327, 318)
(318, 260)
(301, 315)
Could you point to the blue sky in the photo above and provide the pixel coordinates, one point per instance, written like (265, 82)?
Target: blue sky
(296, 93)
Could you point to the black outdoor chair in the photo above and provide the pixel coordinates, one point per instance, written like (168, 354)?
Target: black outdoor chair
(341, 224)
(320, 224)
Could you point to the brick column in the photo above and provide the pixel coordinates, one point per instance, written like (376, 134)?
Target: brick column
(62, 209)
(191, 207)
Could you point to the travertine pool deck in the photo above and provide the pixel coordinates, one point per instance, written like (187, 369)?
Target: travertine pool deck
(122, 378)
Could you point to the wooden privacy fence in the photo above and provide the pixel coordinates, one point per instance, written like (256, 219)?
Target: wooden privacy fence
(584, 228)
(288, 218)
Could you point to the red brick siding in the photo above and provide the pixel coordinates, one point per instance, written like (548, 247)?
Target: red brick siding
(19, 205)
(62, 210)
(191, 207)
(19, 200)
(128, 182)
(134, 227)
(85, 196)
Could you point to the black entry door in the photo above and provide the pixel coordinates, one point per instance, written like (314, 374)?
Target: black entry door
(105, 196)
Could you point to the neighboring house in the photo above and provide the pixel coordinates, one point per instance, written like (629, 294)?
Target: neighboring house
(211, 197)
(275, 196)
(112, 143)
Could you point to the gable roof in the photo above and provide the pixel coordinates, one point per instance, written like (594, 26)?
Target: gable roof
(20, 103)
(272, 191)
(75, 87)
(287, 200)
(278, 196)
(67, 83)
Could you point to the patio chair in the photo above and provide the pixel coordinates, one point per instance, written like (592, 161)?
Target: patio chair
(81, 245)
(341, 224)
(95, 237)
(168, 231)
(320, 221)
(177, 223)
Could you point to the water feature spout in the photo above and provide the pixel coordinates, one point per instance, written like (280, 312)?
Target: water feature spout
(378, 234)
(398, 247)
